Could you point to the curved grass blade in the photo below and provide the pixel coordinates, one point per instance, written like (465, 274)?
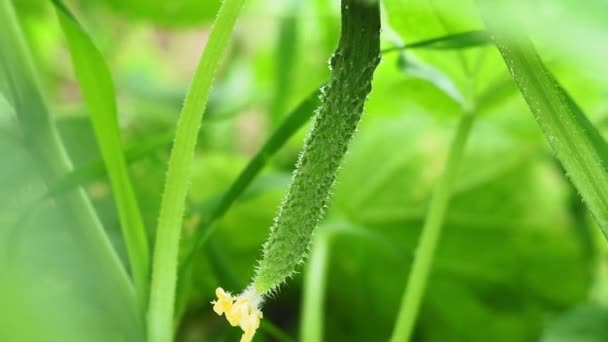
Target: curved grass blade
(98, 91)
(430, 74)
(455, 41)
(160, 318)
(290, 125)
(575, 141)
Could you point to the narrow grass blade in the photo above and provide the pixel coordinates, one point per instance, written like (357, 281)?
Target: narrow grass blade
(98, 90)
(165, 262)
(290, 125)
(95, 169)
(575, 141)
(455, 41)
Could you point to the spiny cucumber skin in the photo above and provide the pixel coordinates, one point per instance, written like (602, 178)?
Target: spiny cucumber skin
(343, 99)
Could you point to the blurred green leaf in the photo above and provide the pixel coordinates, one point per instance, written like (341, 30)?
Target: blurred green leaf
(423, 20)
(431, 75)
(55, 255)
(586, 323)
(495, 245)
(169, 13)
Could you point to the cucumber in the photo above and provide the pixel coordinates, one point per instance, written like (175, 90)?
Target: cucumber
(342, 102)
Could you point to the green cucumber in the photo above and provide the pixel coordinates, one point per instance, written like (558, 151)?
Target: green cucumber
(343, 98)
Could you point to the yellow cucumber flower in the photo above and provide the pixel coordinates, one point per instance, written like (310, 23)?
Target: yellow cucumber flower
(241, 310)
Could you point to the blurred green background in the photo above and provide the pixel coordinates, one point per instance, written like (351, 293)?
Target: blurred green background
(520, 258)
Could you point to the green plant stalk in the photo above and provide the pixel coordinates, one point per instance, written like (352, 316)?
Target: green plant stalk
(343, 99)
(431, 232)
(576, 143)
(311, 326)
(97, 87)
(48, 150)
(165, 261)
(315, 277)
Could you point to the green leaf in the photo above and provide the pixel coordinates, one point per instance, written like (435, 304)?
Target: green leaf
(576, 143)
(435, 75)
(100, 99)
(425, 20)
(418, 69)
(586, 323)
(170, 13)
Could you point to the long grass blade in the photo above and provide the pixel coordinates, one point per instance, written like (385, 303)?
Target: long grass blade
(165, 261)
(576, 142)
(49, 153)
(98, 90)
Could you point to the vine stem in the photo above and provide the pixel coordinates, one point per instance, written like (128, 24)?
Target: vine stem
(431, 232)
(165, 259)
